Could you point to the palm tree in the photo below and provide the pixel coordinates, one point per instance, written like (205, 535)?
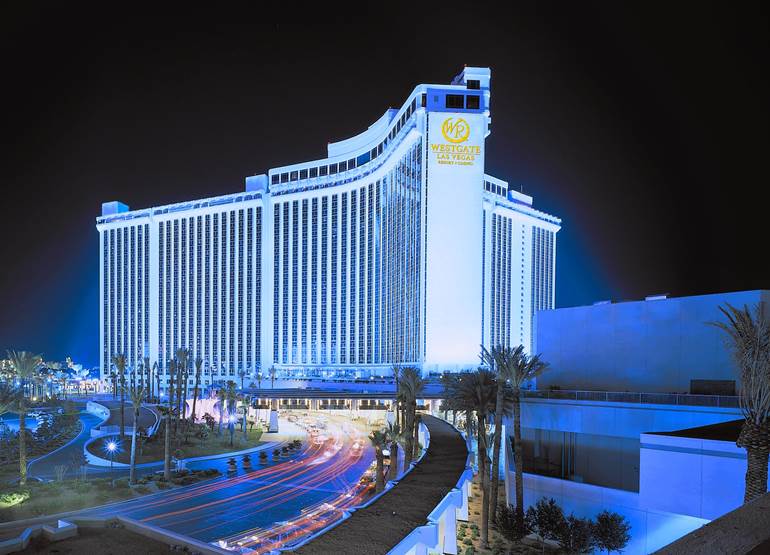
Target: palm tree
(136, 392)
(168, 414)
(222, 397)
(25, 365)
(231, 397)
(749, 335)
(379, 439)
(272, 376)
(393, 431)
(198, 367)
(182, 355)
(410, 387)
(120, 363)
(502, 360)
(477, 391)
(242, 375)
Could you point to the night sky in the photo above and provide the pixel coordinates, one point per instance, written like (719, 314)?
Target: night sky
(645, 131)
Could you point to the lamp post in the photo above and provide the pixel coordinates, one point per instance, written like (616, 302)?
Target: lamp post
(111, 448)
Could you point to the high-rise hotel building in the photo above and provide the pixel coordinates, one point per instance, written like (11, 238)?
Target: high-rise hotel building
(396, 248)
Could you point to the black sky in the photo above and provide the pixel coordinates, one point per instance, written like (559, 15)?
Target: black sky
(645, 130)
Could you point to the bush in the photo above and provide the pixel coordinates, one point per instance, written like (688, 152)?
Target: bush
(610, 531)
(498, 547)
(577, 535)
(81, 488)
(143, 490)
(469, 551)
(163, 485)
(121, 483)
(467, 541)
(546, 519)
(506, 523)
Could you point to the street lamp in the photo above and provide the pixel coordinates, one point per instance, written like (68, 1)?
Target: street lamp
(112, 447)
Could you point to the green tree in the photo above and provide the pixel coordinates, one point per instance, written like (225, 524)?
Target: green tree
(513, 366)
(222, 398)
(379, 439)
(611, 532)
(410, 387)
(477, 392)
(25, 365)
(198, 368)
(394, 436)
(136, 393)
(546, 519)
(749, 336)
(119, 361)
(576, 535)
(231, 397)
(168, 413)
(502, 360)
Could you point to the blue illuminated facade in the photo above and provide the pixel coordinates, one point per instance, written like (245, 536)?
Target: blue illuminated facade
(395, 249)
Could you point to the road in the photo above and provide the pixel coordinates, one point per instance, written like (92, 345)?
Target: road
(301, 494)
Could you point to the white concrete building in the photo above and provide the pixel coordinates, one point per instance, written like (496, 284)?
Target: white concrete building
(396, 248)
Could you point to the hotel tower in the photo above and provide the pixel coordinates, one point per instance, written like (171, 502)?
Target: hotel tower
(395, 249)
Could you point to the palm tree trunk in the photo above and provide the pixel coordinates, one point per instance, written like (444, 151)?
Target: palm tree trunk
(132, 469)
(393, 471)
(195, 394)
(408, 438)
(518, 459)
(496, 448)
(756, 440)
(167, 447)
(22, 443)
(484, 478)
(122, 409)
(380, 483)
(416, 436)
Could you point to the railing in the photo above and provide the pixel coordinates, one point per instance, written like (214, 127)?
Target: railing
(684, 399)
(439, 535)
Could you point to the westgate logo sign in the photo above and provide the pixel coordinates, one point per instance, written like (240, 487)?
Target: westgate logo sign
(455, 130)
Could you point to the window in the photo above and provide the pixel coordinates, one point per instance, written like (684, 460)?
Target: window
(323, 170)
(472, 102)
(313, 172)
(343, 166)
(274, 179)
(294, 176)
(303, 174)
(332, 168)
(473, 84)
(454, 101)
(351, 163)
(284, 178)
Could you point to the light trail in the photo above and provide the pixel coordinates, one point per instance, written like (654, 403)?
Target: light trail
(300, 495)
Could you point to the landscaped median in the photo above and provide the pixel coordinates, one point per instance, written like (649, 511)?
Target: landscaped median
(38, 499)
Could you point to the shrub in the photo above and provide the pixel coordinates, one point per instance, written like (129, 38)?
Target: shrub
(498, 547)
(467, 541)
(546, 519)
(163, 485)
(469, 550)
(505, 519)
(142, 490)
(81, 488)
(576, 535)
(14, 497)
(121, 483)
(610, 531)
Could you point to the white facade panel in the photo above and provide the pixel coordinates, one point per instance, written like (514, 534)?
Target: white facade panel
(395, 250)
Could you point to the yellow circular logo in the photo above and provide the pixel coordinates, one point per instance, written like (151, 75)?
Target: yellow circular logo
(455, 130)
